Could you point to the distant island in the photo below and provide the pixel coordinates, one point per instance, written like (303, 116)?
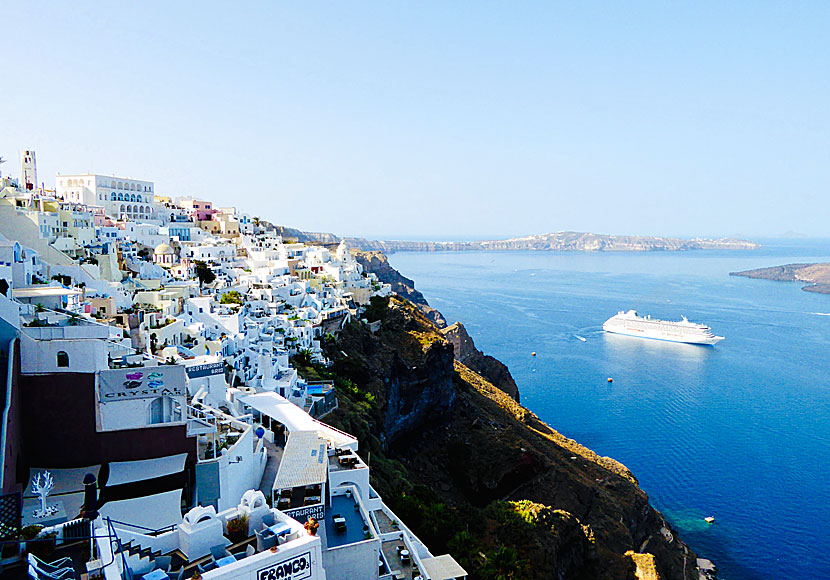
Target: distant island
(816, 277)
(559, 241)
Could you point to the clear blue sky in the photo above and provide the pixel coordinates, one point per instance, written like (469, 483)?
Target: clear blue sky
(416, 119)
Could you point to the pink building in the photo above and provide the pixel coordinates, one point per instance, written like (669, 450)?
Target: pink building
(198, 209)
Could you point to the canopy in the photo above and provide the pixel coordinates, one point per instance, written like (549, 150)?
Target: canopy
(304, 461)
(442, 568)
(152, 511)
(295, 419)
(129, 471)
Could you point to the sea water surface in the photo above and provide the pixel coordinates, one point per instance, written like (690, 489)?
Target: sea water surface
(739, 431)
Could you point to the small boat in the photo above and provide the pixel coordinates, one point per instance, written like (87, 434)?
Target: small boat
(610, 380)
(533, 353)
(582, 338)
(709, 520)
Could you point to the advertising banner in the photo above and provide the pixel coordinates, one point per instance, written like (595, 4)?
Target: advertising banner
(141, 383)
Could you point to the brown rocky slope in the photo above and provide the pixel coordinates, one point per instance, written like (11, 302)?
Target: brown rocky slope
(816, 276)
(465, 349)
(476, 474)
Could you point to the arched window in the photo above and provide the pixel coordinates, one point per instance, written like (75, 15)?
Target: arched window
(112, 184)
(63, 359)
(122, 208)
(120, 185)
(163, 410)
(112, 197)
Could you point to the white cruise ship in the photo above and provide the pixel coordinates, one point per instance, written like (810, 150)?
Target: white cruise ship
(630, 324)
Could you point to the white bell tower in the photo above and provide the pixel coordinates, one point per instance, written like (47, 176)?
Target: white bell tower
(28, 171)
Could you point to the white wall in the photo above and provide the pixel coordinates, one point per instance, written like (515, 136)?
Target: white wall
(40, 356)
(353, 561)
(238, 477)
(134, 414)
(248, 568)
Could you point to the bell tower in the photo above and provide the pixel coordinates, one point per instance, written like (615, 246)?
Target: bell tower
(28, 171)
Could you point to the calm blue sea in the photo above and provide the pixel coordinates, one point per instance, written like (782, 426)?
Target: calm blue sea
(738, 431)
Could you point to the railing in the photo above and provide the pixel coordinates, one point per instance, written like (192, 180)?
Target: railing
(195, 414)
(150, 531)
(128, 573)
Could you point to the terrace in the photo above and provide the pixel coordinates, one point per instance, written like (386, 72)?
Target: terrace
(229, 544)
(344, 523)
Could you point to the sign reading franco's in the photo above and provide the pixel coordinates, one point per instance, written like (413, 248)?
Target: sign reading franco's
(141, 383)
(296, 568)
(205, 370)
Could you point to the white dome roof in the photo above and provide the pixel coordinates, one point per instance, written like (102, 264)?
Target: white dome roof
(164, 249)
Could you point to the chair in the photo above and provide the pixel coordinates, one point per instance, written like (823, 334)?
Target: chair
(268, 519)
(57, 570)
(219, 552)
(176, 575)
(62, 574)
(250, 550)
(163, 563)
(265, 540)
(207, 566)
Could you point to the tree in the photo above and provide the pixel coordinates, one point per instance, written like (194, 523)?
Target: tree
(503, 564)
(232, 297)
(204, 273)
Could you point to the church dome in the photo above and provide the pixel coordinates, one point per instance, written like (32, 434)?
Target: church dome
(164, 250)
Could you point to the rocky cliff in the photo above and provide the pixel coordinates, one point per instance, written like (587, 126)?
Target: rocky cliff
(487, 366)
(378, 264)
(465, 349)
(815, 276)
(476, 474)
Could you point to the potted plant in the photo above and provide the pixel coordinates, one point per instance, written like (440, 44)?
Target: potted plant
(29, 533)
(237, 528)
(43, 545)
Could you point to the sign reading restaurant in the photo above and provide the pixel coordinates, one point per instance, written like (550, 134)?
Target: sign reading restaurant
(296, 568)
(318, 512)
(141, 383)
(205, 370)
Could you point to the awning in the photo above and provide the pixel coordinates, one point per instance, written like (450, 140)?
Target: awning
(129, 471)
(295, 419)
(43, 292)
(442, 568)
(304, 461)
(152, 511)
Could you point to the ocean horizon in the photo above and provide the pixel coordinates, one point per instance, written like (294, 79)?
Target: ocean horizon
(737, 431)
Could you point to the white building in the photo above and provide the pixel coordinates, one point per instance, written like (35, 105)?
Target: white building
(118, 196)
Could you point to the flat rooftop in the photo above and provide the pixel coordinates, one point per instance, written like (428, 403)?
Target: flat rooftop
(346, 507)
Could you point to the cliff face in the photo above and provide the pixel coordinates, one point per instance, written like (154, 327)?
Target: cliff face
(378, 264)
(465, 349)
(816, 276)
(487, 366)
(506, 489)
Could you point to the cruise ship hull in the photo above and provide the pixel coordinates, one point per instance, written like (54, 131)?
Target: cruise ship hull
(705, 341)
